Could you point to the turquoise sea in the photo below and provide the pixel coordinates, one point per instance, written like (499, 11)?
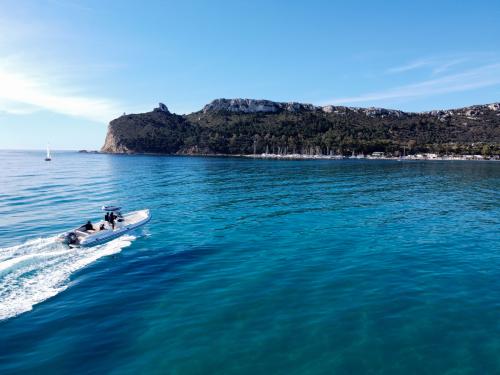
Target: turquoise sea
(251, 267)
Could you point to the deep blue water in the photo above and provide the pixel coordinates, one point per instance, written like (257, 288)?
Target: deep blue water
(251, 267)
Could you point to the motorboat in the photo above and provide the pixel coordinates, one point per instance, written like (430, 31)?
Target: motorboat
(102, 231)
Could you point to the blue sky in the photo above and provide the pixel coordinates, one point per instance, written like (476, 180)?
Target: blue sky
(67, 67)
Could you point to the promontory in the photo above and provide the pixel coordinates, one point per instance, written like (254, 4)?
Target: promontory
(249, 126)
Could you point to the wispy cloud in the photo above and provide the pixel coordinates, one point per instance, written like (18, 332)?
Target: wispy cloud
(484, 76)
(31, 79)
(417, 64)
(435, 65)
(440, 64)
(444, 66)
(25, 90)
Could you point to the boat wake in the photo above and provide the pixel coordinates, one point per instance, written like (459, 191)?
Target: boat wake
(39, 269)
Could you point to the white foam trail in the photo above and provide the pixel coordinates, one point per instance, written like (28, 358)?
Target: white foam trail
(26, 248)
(19, 261)
(39, 269)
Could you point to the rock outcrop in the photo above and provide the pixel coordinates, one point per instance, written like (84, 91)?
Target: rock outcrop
(158, 131)
(161, 108)
(246, 126)
(255, 106)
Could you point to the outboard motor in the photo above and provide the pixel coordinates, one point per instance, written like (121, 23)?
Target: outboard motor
(71, 238)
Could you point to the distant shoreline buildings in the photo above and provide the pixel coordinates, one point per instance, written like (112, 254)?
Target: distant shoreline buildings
(375, 156)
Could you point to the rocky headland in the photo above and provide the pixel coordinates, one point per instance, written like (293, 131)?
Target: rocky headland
(250, 126)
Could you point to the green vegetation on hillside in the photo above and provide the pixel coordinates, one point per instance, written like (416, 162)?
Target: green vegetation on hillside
(305, 132)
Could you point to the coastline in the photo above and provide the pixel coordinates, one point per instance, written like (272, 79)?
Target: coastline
(417, 157)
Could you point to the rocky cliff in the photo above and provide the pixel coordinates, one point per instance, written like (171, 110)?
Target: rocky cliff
(255, 106)
(246, 126)
(158, 131)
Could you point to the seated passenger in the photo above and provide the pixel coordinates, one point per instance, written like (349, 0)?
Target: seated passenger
(102, 227)
(89, 226)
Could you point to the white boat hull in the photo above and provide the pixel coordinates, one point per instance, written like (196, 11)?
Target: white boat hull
(129, 222)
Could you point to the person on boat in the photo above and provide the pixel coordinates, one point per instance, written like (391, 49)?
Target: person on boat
(112, 218)
(106, 217)
(89, 226)
(102, 227)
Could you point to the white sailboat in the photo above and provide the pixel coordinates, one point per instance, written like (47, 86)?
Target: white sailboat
(48, 157)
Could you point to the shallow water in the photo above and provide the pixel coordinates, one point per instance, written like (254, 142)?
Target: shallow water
(251, 266)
